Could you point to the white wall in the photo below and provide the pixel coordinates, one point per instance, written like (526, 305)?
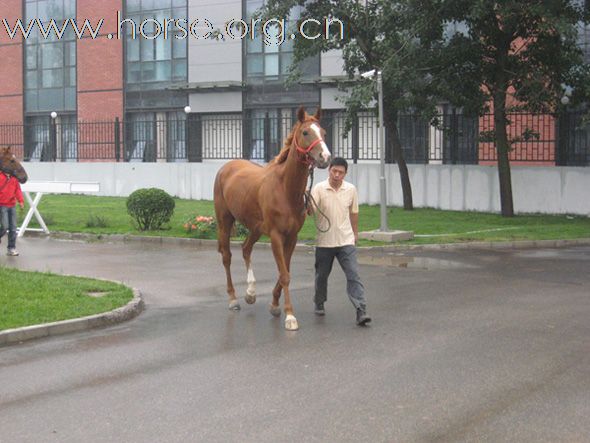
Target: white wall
(459, 187)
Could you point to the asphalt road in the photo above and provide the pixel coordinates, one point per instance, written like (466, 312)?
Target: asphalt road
(470, 345)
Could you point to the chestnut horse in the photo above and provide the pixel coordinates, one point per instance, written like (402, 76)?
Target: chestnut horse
(10, 165)
(269, 200)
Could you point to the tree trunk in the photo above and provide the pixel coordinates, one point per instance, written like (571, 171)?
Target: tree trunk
(503, 149)
(398, 156)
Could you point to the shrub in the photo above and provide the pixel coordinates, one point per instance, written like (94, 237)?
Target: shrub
(201, 226)
(150, 208)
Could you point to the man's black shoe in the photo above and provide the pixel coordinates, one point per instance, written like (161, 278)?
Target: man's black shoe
(319, 309)
(362, 318)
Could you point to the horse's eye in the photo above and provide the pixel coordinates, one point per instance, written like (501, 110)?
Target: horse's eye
(305, 133)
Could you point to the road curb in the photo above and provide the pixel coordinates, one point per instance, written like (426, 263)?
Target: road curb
(124, 313)
(521, 244)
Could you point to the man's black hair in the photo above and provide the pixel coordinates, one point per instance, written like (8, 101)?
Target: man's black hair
(339, 161)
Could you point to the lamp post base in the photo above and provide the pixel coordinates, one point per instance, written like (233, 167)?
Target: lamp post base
(386, 236)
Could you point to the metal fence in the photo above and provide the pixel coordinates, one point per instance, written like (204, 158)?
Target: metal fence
(453, 139)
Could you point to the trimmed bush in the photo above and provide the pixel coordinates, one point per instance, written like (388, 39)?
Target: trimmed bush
(150, 208)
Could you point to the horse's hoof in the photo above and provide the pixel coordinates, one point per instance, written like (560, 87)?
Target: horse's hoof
(234, 305)
(291, 323)
(275, 310)
(250, 298)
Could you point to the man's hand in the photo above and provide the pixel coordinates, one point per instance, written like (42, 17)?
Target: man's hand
(22, 205)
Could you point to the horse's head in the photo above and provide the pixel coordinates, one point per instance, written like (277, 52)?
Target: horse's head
(309, 139)
(10, 165)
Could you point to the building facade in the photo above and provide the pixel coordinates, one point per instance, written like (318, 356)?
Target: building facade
(148, 66)
(187, 80)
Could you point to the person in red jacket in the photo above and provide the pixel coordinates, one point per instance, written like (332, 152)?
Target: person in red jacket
(10, 193)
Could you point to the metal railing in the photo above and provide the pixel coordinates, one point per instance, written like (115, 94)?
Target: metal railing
(453, 139)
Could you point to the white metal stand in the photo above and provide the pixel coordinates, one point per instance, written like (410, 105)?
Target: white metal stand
(42, 188)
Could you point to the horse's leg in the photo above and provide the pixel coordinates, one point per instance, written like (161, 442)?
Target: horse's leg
(247, 252)
(278, 250)
(225, 222)
(275, 309)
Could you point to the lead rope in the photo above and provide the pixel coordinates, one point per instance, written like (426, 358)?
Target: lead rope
(309, 201)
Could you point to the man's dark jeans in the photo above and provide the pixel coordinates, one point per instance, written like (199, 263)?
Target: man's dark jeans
(8, 223)
(346, 256)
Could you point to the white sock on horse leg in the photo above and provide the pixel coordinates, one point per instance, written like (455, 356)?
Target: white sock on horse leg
(251, 282)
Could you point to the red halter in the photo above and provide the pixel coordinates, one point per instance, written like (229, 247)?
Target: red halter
(306, 159)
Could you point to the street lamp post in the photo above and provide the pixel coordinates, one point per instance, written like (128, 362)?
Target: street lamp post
(383, 226)
(187, 111)
(382, 183)
(53, 136)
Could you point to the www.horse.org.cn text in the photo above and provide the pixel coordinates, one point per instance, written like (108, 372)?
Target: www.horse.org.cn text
(274, 31)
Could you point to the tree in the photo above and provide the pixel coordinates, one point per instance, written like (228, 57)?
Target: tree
(381, 35)
(512, 55)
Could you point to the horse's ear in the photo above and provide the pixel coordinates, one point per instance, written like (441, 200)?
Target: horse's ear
(301, 114)
(318, 114)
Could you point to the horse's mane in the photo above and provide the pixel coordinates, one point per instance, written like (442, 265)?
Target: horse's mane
(281, 157)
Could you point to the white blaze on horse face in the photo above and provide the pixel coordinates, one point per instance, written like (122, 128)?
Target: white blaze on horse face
(251, 282)
(325, 154)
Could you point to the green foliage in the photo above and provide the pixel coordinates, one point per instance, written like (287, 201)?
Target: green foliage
(522, 51)
(201, 226)
(97, 221)
(241, 230)
(150, 208)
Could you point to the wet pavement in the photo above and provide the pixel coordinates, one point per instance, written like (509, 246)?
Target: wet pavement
(466, 345)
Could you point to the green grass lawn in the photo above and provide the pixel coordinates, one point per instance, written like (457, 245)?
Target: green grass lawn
(72, 213)
(29, 298)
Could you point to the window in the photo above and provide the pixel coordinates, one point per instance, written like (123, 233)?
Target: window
(266, 58)
(50, 63)
(154, 59)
